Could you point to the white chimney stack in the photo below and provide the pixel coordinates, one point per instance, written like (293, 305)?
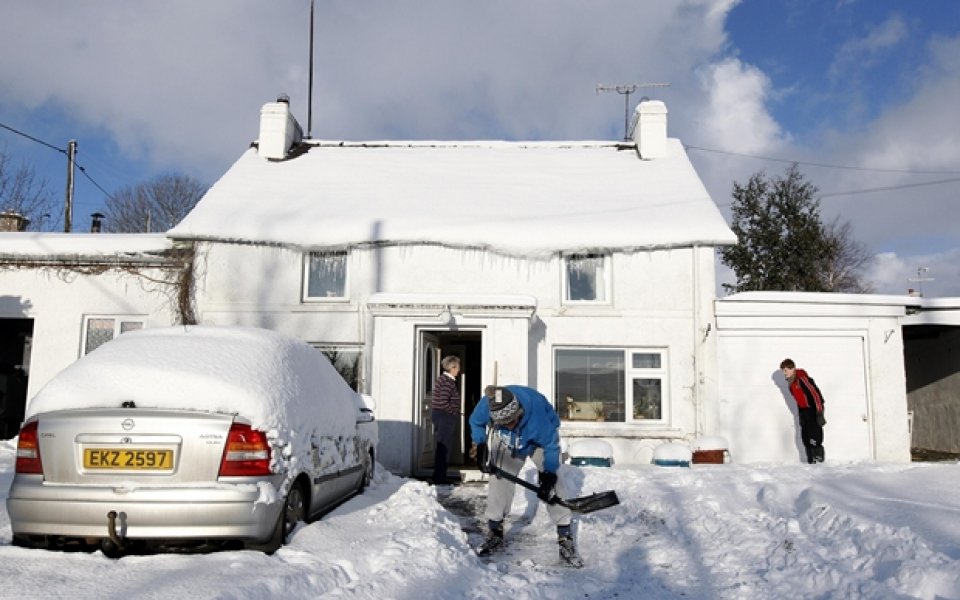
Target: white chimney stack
(650, 129)
(279, 130)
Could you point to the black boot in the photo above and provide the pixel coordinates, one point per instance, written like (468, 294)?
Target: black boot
(494, 539)
(568, 548)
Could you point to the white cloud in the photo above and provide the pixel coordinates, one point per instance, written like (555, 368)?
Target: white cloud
(862, 53)
(933, 274)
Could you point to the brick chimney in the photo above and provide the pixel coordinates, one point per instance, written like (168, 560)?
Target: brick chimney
(12, 221)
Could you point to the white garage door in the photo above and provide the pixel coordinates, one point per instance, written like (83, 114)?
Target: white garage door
(759, 417)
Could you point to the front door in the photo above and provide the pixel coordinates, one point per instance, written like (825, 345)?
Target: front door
(431, 348)
(429, 369)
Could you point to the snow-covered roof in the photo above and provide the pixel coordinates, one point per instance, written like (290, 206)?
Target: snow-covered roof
(515, 198)
(71, 246)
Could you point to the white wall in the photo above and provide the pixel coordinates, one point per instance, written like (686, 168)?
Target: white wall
(58, 301)
(661, 299)
(851, 345)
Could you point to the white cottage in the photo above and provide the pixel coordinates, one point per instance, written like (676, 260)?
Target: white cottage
(62, 295)
(584, 269)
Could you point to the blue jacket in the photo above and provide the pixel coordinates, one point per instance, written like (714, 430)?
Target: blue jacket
(538, 428)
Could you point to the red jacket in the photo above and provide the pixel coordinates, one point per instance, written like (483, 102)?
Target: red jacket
(806, 392)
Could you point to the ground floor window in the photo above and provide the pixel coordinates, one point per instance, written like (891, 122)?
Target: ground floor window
(624, 385)
(98, 330)
(347, 360)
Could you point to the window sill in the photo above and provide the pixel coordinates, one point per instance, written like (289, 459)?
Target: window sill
(620, 430)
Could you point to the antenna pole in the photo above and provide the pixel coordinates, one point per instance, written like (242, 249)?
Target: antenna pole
(625, 90)
(310, 81)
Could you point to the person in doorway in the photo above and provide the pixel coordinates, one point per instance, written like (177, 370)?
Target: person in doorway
(445, 405)
(509, 425)
(810, 409)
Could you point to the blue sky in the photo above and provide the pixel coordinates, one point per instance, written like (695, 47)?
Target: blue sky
(148, 87)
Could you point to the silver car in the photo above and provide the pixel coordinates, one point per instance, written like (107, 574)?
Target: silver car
(188, 437)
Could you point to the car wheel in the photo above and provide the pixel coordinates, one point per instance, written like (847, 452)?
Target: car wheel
(368, 466)
(294, 511)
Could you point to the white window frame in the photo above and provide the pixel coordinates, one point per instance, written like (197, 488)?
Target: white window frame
(605, 290)
(630, 373)
(308, 259)
(119, 324)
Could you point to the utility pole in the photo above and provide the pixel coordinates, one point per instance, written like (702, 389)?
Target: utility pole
(310, 81)
(68, 201)
(625, 90)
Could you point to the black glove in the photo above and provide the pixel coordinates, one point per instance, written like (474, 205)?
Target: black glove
(547, 481)
(483, 458)
(821, 420)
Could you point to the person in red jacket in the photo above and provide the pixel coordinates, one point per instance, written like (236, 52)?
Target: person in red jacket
(810, 409)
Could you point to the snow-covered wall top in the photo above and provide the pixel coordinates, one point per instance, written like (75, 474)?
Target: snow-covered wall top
(72, 245)
(516, 198)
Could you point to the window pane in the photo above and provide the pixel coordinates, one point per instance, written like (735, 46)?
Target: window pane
(347, 362)
(646, 361)
(647, 399)
(327, 275)
(590, 385)
(99, 332)
(586, 279)
(126, 326)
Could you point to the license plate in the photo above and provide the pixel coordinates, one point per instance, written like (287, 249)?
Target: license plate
(122, 460)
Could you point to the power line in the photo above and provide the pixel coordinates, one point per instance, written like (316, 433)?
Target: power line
(815, 164)
(62, 151)
(31, 138)
(878, 189)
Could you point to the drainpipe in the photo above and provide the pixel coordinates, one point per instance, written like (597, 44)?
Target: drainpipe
(697, 344)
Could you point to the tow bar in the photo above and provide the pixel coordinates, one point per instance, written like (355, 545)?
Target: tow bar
(112, 530)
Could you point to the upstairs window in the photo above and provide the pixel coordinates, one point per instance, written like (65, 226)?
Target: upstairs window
(586, 278)
(99, 330)
(325, 275)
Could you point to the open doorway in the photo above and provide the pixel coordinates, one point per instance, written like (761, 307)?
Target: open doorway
(16, 337)
(433, 345)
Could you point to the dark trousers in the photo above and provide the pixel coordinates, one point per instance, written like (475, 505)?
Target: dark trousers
(444, 425)
(811, 433)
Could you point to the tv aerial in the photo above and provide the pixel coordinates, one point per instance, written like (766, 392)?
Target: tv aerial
(625, 89)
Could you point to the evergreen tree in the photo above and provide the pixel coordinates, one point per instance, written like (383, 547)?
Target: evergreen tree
(783, 245)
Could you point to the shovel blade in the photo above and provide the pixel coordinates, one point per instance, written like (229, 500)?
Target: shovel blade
(593, 502)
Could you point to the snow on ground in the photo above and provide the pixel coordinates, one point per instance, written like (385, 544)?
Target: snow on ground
(700, 532)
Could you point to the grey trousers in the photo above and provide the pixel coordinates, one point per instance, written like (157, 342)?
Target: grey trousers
(500, 491)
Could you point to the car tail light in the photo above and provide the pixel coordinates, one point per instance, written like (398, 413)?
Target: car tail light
(28, 450)
(247, 452)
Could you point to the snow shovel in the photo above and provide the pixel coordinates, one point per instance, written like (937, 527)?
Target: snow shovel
(585, 504)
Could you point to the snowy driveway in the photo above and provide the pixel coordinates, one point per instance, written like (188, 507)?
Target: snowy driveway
(710, 531)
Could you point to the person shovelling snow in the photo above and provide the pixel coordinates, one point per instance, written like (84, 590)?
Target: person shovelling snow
(509, 425)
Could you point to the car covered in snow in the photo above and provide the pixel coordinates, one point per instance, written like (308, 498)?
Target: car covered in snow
(189, 437)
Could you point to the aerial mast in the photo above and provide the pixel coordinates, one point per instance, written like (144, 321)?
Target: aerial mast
(625, 89)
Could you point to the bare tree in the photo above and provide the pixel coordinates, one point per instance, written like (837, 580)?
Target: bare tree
(848, 260)
(155, 205)
(23, 192)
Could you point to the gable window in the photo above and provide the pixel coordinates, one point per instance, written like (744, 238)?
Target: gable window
(586, 278)
(347, 360)
(325, 275)
(623, 385)
(99, 330)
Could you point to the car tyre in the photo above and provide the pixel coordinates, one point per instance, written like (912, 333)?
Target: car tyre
(368, 467)
(294, 511)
